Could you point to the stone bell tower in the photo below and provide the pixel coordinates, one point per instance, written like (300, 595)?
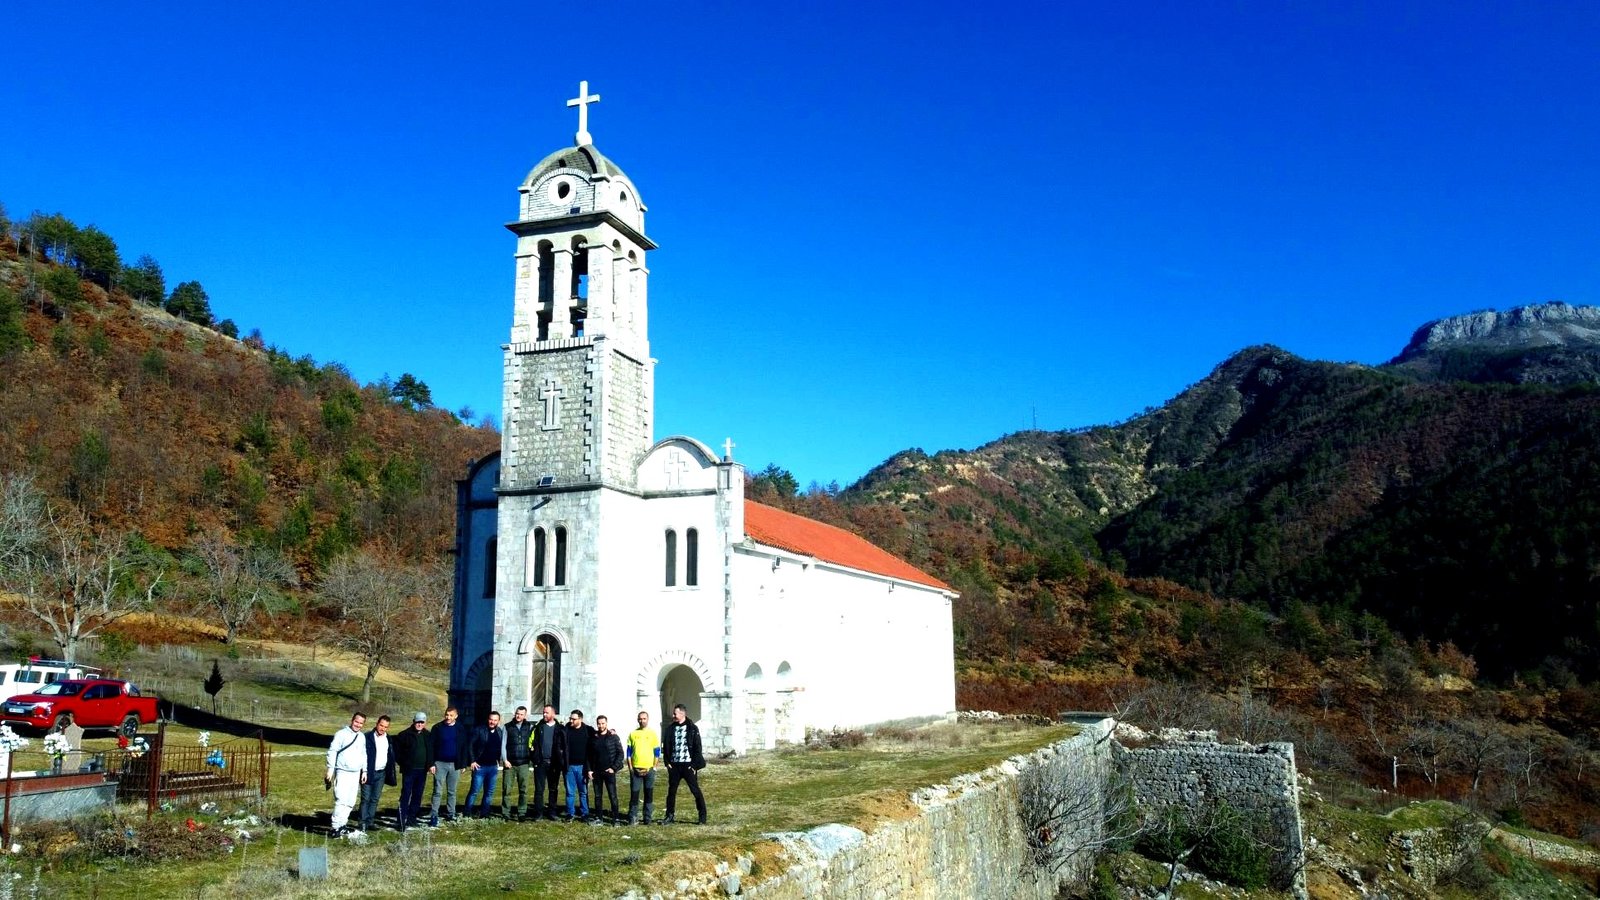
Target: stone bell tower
(578, 409)
(578, 374)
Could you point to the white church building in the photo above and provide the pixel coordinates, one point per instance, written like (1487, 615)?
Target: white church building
(599, 569)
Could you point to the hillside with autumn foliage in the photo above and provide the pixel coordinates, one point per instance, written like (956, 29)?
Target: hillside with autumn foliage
(151, 422)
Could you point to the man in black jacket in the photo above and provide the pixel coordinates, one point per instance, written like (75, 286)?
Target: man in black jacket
(680, 747)
(413, 753)
(547, 749)
(606, 759)
(579, 737)
(518, 731)
(487, 752)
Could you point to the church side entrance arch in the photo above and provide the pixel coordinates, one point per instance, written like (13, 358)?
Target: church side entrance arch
(680, 684)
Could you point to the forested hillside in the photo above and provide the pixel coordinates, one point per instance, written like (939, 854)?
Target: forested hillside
(134, 415)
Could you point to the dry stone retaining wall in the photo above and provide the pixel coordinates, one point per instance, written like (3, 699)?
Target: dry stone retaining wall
(1258, 780)
(967, 840)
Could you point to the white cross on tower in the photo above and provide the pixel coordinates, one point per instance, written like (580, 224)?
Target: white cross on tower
(582, 102)
(727, 450)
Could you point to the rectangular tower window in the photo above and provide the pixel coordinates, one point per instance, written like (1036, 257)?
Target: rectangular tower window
(691, 557)
(672, 558)
(561, 556)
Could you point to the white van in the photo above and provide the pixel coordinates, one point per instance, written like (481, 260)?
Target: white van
(27, 677)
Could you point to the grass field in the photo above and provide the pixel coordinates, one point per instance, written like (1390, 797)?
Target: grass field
(785, 790)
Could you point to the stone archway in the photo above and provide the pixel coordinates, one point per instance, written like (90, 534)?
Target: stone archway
(544, 686)
(680, 684)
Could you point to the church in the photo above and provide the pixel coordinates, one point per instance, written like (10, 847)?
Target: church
(634, 575)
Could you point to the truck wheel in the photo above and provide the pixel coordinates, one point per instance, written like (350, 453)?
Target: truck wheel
(130, 725)
(62, 722)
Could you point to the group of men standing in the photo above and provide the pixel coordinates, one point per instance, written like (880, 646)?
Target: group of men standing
(576, 755)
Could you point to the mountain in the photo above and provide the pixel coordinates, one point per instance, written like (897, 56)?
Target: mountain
(1548, 343)
(1456, 508)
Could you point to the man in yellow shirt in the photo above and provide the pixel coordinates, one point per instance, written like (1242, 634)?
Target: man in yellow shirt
(644, 748)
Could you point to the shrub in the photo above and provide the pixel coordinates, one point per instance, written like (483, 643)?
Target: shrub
(63, 284)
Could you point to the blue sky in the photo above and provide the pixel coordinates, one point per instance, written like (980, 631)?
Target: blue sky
(881, 226)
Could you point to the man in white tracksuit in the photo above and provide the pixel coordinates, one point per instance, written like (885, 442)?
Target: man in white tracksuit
(347, 764)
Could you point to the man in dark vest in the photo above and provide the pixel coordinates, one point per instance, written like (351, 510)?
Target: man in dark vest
(486, 755)
(519, 731)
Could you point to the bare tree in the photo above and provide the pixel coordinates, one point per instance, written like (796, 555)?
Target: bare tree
(1075, 812)
(437, 596)
(1428, 743)
(237, 580)
(76, 580)
(377, 600)
(21, 520)
(1477, 746)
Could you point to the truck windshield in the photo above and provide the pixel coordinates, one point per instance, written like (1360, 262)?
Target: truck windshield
(61, 689)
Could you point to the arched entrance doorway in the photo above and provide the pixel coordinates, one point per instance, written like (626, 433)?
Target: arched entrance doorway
(545, 688)
(680, 684)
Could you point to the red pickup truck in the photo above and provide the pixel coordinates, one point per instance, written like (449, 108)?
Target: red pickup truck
(90, 702)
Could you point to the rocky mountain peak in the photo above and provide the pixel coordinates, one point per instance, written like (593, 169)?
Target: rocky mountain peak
(1538, 325)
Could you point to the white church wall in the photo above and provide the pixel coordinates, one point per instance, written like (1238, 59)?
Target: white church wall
(858, 651)
(648, 626)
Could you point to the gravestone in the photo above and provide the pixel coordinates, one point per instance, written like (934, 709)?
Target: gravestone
(73, 761)
(313, 863)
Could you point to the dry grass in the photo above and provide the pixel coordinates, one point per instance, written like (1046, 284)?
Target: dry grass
(790, 790)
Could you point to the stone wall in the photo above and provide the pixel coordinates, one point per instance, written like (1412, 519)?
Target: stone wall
(966, 840)
(1258, 780)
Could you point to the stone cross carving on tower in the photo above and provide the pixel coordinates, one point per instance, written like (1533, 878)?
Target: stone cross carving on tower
(675, 466)
(727, 450)
(550, 396)
(582, 102)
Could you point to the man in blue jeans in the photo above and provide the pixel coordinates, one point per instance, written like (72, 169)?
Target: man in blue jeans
(488, 753)
(579, 737)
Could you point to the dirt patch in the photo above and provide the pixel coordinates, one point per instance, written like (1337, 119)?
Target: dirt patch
(155, 629)
(883, 806)
(681, 864)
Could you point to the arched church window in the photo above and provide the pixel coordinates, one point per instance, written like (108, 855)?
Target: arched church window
(489, 563)
(672, 558)
(691, 557)
(537, 564)
(561, 556)
(545, 688)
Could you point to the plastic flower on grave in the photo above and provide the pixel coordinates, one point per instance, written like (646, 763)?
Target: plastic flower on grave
(204, 739)
(10, 740)
(57, 745)
(214, 758)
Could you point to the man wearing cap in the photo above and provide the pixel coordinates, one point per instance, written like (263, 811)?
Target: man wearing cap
(413, 753)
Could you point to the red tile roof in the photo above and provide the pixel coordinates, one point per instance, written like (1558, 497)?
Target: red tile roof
(808, 537)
